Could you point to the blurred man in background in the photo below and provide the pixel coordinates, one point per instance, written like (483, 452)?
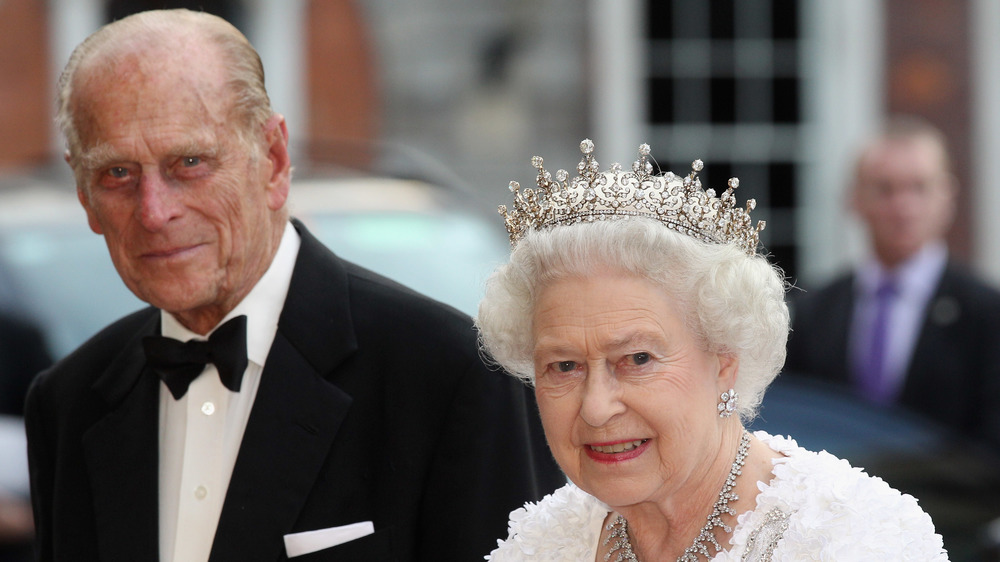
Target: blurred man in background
(907, 326)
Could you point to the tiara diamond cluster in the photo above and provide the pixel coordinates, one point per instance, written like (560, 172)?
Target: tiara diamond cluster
(678, 202)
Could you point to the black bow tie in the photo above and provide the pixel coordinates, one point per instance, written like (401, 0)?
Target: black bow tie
(178, 363)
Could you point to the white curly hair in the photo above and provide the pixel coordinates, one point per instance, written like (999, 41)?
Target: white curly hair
(733, 303)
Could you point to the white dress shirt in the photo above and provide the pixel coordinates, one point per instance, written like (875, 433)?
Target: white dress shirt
(200, 434)
(916, 281)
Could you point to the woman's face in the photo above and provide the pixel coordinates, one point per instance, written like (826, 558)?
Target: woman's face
(627, 396)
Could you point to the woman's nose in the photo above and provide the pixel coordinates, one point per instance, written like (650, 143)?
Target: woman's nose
(602, 397)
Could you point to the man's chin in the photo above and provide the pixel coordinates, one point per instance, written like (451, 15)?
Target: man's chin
(173, 299)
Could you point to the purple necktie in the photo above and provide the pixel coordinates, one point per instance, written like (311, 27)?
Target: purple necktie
(871, 380)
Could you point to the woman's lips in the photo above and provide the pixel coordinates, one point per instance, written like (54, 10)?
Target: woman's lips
(617, 447)
(617, 451)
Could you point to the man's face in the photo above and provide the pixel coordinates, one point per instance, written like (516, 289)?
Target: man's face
(904, 195)
(187, 209)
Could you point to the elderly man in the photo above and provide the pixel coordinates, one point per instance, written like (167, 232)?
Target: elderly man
(318, 410)
(908, 326)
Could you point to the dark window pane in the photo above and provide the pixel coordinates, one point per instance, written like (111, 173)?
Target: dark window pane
(784, 256)
(661, 100)
(753, 183)
(678, 165)
(723, 96)
(691, 100)
(659, 23)
(715, 175)
(722, 19)
(786, 59)
(785, 19)
(661, 162)
(786, 100)
(754, 99)
(229, 10)
(782, 184)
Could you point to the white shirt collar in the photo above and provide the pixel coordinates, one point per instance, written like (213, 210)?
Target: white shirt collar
(918, 275)
(262, 306)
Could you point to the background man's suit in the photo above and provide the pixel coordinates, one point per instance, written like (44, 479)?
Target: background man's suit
(373, 405)
(956, 359)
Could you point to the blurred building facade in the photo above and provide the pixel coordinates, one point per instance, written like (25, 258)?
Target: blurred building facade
(777, 92)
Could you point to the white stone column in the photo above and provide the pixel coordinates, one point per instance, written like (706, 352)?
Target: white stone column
(70, 22)
(985, 188)
(617, 57)
(842, 70)
(276, 28)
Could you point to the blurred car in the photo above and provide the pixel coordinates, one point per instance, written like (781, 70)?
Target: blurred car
(956, 481)
(54, 270)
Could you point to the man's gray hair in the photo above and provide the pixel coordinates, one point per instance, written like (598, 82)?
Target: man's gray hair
(251, 105)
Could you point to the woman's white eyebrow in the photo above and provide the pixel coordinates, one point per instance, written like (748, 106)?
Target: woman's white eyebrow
(639, 338)
(543, 348)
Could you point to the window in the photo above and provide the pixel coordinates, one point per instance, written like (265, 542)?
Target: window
(723, 85)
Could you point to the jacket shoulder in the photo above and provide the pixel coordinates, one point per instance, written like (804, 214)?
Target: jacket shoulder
(385, 302)
(87, 362)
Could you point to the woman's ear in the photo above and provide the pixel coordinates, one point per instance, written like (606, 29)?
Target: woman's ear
(729, 366)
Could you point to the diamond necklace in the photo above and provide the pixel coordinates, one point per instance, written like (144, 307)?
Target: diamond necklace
(619, 527)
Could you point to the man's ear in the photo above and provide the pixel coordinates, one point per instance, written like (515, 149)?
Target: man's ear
(279, 180)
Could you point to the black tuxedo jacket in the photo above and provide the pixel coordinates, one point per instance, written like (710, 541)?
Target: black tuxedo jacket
(373, 405)
(956, 359)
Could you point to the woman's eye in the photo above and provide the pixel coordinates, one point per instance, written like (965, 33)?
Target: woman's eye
(641, 358)
(565, 366)
(190, 161)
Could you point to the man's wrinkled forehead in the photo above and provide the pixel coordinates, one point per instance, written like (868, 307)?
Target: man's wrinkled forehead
(188, 76)
(145, 56)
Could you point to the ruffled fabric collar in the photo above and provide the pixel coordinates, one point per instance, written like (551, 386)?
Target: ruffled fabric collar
(833, 510)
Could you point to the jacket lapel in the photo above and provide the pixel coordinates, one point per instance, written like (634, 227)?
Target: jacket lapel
(122, 457)
(296, 413)
(942, 315)
(838, 346)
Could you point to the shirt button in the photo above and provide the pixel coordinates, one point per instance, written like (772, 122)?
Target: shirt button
(208, 408)
(200, 492)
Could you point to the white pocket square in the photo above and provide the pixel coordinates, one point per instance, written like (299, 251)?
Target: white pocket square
(297, 544)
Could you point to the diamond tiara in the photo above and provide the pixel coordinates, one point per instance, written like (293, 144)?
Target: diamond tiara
(679, 203)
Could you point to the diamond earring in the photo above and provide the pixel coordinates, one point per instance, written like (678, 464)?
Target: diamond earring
(727, 403)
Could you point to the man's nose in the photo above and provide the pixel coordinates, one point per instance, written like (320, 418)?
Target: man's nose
(158, 201)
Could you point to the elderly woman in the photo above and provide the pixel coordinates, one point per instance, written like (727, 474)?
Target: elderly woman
(638, 308)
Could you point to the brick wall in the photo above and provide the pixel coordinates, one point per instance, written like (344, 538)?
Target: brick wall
(25, 95)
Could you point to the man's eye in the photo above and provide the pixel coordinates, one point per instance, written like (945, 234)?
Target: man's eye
(118, 172)
(565, 366)
(190, 161)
